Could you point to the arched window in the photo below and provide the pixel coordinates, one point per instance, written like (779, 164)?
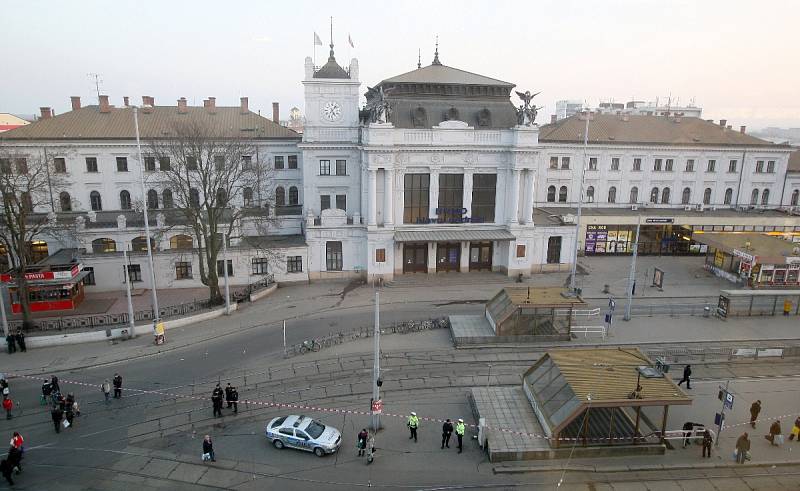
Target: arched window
(765, 197)
(728, 196)
(280, 196)
(124, 200)
(294, 196)
(634, 195)
(152, 199)
(795, 197)
(26, 203)
(194, 198)
(551, 194)
(181, 242)
(590, 194)
(562, 194)
(95, 201)
(65, 201)
(100, 246)
(654, 195)
(166, 199)
(140, 244)
(686, 196)
(612, 194)
(247, 197)
(38, 249)
(707, 196)
(754, 197)
(222, 197)
(665, 196)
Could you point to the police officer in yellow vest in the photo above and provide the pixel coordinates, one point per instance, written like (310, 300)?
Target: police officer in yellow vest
(413, 424)
(460, 433)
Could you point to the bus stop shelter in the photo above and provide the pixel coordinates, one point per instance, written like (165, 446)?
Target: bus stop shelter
(758, 302)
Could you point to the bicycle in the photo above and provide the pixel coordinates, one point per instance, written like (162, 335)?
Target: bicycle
(310, 345)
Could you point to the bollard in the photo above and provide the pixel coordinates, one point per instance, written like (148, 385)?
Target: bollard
(707, 311)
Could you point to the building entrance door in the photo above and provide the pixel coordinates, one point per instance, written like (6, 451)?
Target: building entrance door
(415, 258)
(480, 256)
(448, 256)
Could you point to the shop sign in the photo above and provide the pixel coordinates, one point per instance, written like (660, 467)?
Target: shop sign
(659, 220)
(747, 257)
(793, 260)
(722, 306)
(658, 278)
(451, 215)
(719, 258)
(46, 275)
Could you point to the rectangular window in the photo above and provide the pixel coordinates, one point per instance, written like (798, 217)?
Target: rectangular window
(60, 165)
(451, 198)
(669, 166)
(341, 202)
(380, 255)
(732, 166)
(341, 167)
(91, 164)
(164, 164)
(219, 163)
(324, 167)
(150, 164)
(278, 162)
(690, 165)
(554, 250)
(333, 256)
(771, 167)
(416, 197)
(324, 202)
(220, 271)
(294, 264)
(191, 163)
(247, 162)
(759, 166)
(183, 270)
(260, 265)
(554, 162)
(615, 163)
(520, 250)
(592, 163)
(134, 272)
(565, 162)
(292, 161)
(711, 165)
(21, 165)
(89, 278)
(122, 164)
(637, 164)
(484, 190)
(5, 166)
(657, 165)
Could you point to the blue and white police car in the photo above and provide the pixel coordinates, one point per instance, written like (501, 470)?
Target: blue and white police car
(303, 433)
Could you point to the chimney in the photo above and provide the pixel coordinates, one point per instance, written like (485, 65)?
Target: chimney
(210, 104)
(147, 104)
(182, 109)
(127, 101)
(730, 126)
(105, 107)
(46, 112)
(244, 101)
(276, 113)
(723, 122)
(76, 102)
(742, 128)
(553, 118)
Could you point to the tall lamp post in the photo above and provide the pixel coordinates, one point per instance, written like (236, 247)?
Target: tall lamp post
(376, 366)
(156, 311)
(587, 114)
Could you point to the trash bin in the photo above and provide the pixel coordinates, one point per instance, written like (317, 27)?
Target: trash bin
(707, 311)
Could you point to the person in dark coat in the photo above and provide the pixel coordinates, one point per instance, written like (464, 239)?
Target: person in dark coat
(208, 448)
(687, 373)
(447, 430)
(216, 401)
(5, 469)
(69, 414)
(742, 447)
(15, 459)
(235, 400)
(774, 430)
(363, 435)
(228, 398)
(10, 342)
(54, 384)
(707, 441)
(117, 382)
(755, 409)
(20, 338)
(57, 414)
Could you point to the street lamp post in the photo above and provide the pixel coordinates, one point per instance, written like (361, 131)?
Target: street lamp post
(225, 272)
(6, 331)
(632, 274)
(573, 270)
(376, 365)
(128, 291)
(156, 311)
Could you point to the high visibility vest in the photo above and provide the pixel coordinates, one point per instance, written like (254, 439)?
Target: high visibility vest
(413, 421)
(460, 429)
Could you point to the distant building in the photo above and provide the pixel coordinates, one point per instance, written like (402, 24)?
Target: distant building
(9, 122)
(567, 108)
(649, 109)
(296, 121)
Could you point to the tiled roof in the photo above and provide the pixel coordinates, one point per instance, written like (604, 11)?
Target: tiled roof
(443, 74)
(794, 161)
(642, 129)
(158, 122)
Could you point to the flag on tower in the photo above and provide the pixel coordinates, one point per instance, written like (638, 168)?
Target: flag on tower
(350, 40)
(317, 40)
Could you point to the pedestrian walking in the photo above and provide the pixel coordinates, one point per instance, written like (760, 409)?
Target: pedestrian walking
(370, 449)
(10, 342)
(775, 437)
(216, 401)
(69, 415)
(363, 435)
(413, 425)
(460, 428)
(105, 387)
(4, 388)
(57, 414)
(16, 440)
(228, 390)
(54, 385)
(795, 430)
(47, 389)
(742, 448)
(235, 399)
(707, 441)
(20, 339)
(8, 405)
(208, 449)
(447, 430)
(5, 469)
(755, 408)
(117, 381)
(687, 373)
(15, 459)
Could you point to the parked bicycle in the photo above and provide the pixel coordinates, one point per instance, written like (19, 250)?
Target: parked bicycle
(310, 345)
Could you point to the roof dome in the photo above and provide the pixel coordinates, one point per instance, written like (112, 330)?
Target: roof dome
(331, 69)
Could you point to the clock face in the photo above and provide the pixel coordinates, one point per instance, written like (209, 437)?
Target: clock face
(332, 111)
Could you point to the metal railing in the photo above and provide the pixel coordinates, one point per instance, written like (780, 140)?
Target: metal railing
(587, 330)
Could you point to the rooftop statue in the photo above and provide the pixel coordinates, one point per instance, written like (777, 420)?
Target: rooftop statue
(526, 114)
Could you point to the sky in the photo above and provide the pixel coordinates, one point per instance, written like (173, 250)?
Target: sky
(738, 60)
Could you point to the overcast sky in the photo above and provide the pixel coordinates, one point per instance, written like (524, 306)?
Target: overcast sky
(737, 59)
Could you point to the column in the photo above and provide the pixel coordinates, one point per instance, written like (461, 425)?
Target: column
(528, 196)
(372, 198)
(464, 259)
(388, 202)
(467, 199)
(513, 211)
(434, 194)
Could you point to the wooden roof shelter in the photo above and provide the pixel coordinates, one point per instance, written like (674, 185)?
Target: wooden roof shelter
(531, 311)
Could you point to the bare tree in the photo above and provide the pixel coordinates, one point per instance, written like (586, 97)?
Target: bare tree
(28, 183)
(218, 184)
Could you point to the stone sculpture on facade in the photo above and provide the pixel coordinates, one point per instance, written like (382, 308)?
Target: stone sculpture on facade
(378, 107)
(526, 114)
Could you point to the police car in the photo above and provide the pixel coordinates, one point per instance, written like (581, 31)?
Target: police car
(303, 433)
